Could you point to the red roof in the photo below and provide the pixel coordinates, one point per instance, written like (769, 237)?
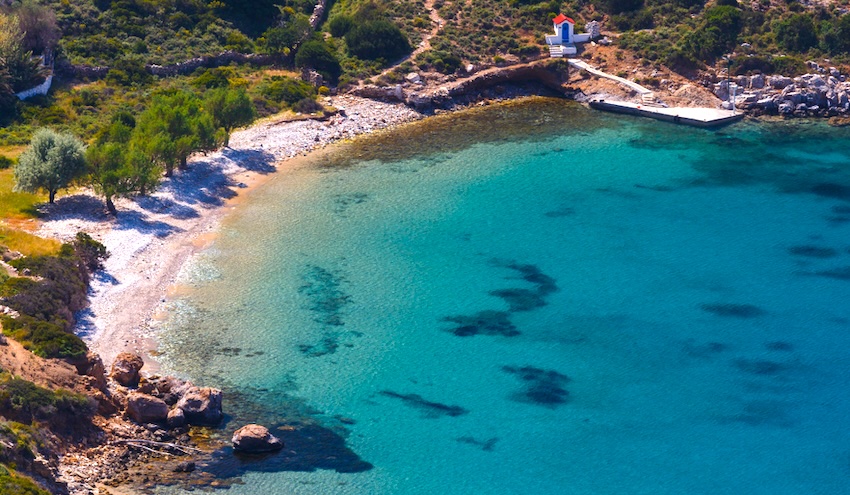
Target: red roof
(561, 18)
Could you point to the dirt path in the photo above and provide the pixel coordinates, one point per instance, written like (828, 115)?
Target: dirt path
(424, 45)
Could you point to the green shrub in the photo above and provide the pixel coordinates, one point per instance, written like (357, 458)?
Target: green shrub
(12, 483)
(285, 89)
(788, 66)
(6, 162)
(90, 252)
(378, 39)
(213, 78)
(128, 71)
(307, 105)
(25, 401)
(318, 56)
(340, 25)
(44, 339)
(796, 33)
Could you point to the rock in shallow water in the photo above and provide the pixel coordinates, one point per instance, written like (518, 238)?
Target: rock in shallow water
(201, 406)
(254, 439)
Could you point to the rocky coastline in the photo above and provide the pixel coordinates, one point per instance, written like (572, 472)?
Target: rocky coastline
(823, 92)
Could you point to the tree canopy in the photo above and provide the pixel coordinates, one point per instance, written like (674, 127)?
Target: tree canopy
(318, 56)
(376, 39)
(51, 162)
(229, 108)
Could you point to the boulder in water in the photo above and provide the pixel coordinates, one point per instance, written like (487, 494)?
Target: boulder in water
(201, 406)
(255, 439)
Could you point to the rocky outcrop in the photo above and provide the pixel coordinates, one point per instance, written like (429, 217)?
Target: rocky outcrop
(201, 406)
(255, 439)
(125, 369)
(822, 92)
(146, 409)
(552, 73)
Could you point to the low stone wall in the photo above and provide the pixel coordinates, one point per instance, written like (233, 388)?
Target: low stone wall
(42, 89)
(83, 71)
(224, 58)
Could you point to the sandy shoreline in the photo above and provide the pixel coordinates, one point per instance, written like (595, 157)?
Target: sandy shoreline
(152, 237)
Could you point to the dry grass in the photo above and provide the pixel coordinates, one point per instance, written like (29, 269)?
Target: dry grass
(28, 244)
(12, 151)
(16, 206)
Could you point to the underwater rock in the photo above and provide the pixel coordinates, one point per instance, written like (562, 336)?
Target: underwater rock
(428, 408)
(542, 387)
(486, 322)
(255, 438)
(486, 445)
(842, 273)
(125, 369)
(202, 406)
(146, 409)
(813, 251)
(734, 310)
(760, 366)
(520, 299)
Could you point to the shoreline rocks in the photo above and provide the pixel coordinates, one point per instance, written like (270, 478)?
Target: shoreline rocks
(125, 369)
(144, 409)
(201, 406)
(820, 93)
(255, 439)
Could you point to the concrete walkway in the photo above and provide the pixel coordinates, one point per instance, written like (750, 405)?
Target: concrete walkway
(580, 64)
(695, 116)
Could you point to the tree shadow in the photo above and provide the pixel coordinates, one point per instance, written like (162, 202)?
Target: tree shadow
(259, 161)
(138, 221)
(85, 327)
(82, 206)
(168, 206)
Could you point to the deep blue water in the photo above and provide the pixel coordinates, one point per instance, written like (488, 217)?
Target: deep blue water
(537, 299)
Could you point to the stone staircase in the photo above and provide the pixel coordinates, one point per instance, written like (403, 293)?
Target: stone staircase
(556, 51)
(648, 99)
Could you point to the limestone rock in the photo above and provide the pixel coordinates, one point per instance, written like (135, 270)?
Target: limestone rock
(255, 438)
(413, 78)
(125, 369)
(202, 406)
(146, 409)
(780, 82)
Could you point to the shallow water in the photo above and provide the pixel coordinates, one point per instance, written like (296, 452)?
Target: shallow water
(539, 299)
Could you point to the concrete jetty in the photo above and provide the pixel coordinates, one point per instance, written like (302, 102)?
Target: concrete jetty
(694, 116)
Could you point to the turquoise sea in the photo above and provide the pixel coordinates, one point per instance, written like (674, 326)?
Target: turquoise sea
(536, 298)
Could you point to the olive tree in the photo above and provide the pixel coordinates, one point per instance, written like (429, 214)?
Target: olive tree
(230, 108)
(50, 162)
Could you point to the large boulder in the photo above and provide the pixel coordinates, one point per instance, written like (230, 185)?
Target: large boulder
(255, 438)
(125, 369)
(201, 406)
(176, 418)
(146, 409)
